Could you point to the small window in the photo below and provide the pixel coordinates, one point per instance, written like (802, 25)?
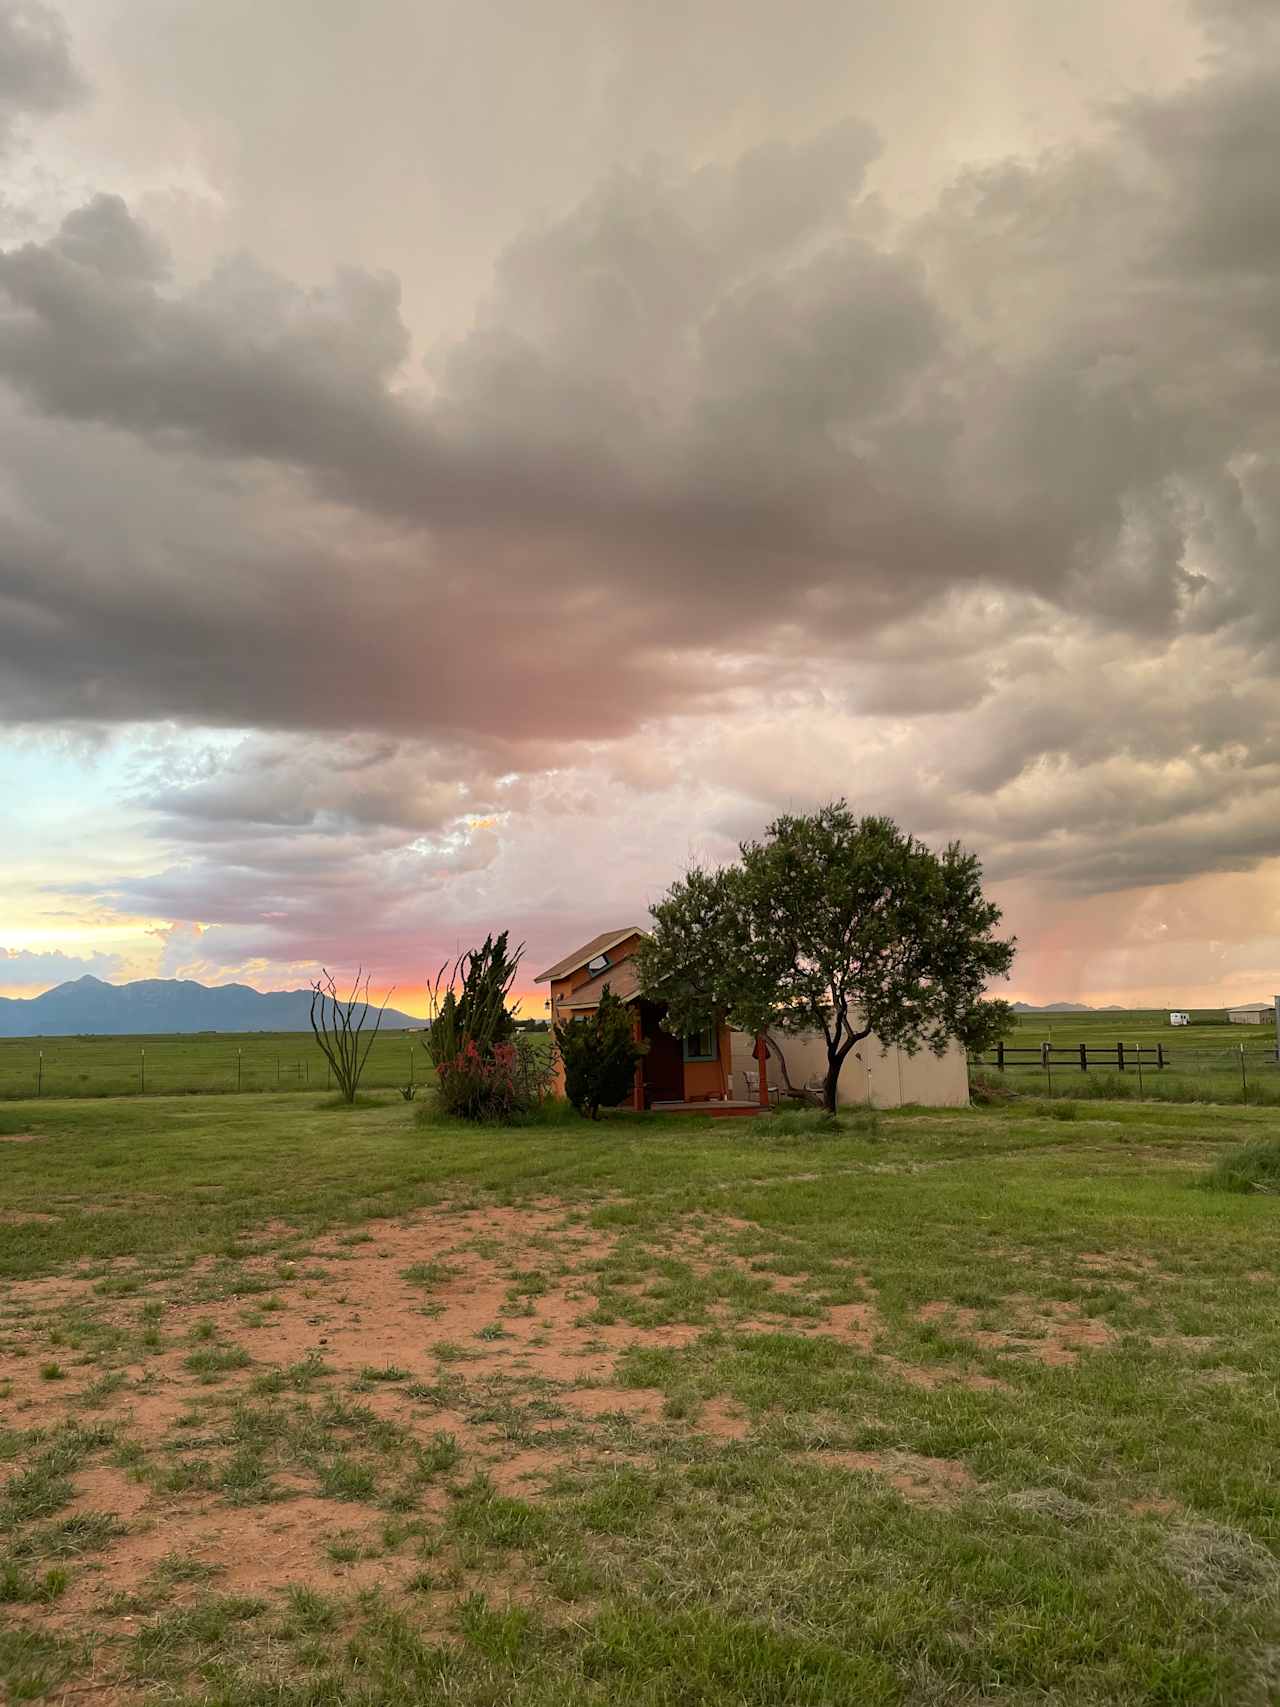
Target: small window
(701, 1046)
(598, 965)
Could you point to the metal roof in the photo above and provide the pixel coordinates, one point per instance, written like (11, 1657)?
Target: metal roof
(580, 956)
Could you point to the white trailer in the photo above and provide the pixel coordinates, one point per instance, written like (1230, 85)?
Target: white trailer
(1179, 1017)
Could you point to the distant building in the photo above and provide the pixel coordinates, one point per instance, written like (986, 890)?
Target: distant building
(1179, 1017)
(1252, 1013)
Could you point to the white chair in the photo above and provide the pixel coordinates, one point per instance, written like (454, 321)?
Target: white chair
(753, 1087)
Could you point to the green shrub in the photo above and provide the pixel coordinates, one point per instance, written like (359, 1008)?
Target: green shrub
(1256, 1167)
(600, 1056)
(486, 1071)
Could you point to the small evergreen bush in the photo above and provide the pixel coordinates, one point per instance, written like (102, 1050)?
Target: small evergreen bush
(600, 1056)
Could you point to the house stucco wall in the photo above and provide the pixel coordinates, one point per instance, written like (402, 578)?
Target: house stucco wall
(883, 1077)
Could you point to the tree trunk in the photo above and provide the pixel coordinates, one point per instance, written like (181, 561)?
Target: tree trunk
(834, 1064)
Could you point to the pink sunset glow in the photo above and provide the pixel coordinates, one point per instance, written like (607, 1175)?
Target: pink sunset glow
(455, 489)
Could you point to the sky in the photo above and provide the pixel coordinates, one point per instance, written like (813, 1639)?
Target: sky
(463, 464)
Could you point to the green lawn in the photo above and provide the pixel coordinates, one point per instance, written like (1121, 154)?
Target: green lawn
(304, 1405)
(1210, 1030)
(1202, 1061)
(204, 1062)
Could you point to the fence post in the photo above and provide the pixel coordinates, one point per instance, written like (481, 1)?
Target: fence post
(1160, 1057)
(1139, 1049)
(1084, 1058)
(237, 1069)
(142, 1057)
(1000, 1055)
(1244, 1083)
(40, 1075)
(1120, 1055)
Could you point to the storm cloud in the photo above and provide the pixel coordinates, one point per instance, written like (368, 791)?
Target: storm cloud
(38, 75)
(755, 471)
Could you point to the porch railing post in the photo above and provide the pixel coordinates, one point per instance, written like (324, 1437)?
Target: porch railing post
(762, 1061)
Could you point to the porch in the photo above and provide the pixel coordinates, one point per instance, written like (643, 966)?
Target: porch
(717, 1110)
(693, 1075)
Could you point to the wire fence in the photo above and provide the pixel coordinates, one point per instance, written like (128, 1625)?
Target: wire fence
(1121, 1056)
(197, 1065)
(1212, 1072)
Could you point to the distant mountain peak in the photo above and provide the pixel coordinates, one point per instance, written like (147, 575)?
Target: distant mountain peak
(158, 1006)
(1053, 1008)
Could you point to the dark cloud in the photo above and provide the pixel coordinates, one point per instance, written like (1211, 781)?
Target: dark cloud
(37, 73)
(736, 492)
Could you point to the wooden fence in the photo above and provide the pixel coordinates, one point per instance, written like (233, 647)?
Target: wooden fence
(1119, 1057)
(1111, 1056)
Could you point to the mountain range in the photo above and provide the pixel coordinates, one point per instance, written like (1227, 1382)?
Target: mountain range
(1067, 1008)
(151, 1006)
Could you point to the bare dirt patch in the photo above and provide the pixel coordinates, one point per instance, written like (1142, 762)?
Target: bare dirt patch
(250, 1550)
(20, 1137)
(924, 1481)
(723, 1420)
(472, 1324)
(931, 1375)
(1115, 1262)
(644, 1402)
(1053, 1334)
(860, 1324)
(103, 1488)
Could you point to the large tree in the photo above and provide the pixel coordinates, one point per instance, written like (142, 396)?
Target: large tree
(833, 923)
(986, 1024)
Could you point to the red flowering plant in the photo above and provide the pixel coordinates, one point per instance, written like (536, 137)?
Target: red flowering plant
(476, 1086)
(485, 1071)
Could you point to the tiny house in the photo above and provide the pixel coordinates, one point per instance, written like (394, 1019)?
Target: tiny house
(717, 1070)
(675, 1070)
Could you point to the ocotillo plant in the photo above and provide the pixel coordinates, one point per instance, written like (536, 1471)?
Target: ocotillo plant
(339, 1032)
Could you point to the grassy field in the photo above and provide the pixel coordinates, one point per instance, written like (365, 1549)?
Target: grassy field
(1202, 1062)
(305, 1405)
(203, 1062)
(1210, 1030)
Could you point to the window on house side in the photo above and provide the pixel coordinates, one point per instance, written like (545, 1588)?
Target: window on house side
(700, 1046)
